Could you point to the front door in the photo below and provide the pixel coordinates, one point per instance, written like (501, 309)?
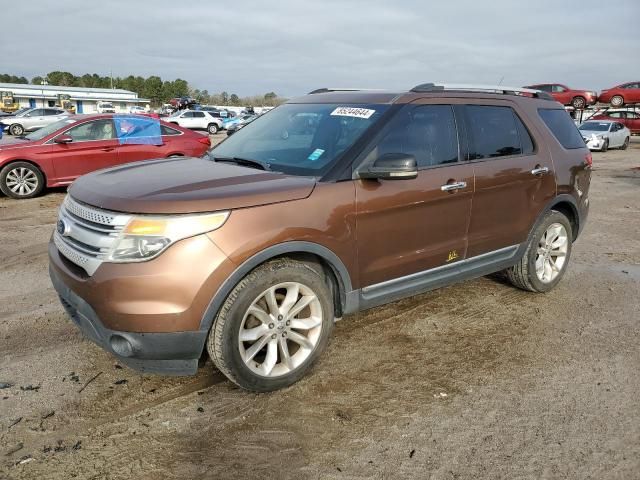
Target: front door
(413, 225)
(93, 146)
(514, 178)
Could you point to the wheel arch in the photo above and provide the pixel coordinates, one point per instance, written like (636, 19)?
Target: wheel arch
(17, 160)
(333, 268)
(566, 205)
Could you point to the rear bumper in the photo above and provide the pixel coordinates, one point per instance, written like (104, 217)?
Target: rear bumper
(173, 353)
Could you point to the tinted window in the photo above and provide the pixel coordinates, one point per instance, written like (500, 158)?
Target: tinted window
(562, 127)
(198, 114)
(38, 112)
(557, 88)
(544, 88)
(97, 130)
(427, 132)
(187, 115)
(525, 137)
(493, 132)
(169, 131)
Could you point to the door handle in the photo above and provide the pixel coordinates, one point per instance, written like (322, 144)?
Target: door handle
(539, 170)
(450, 187)
(107, 149)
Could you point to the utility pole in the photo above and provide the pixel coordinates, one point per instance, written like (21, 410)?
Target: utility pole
(111, 77)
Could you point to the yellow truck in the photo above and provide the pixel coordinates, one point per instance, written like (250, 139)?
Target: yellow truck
(7, 102)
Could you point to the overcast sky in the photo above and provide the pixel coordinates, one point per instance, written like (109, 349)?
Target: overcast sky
(293, 46)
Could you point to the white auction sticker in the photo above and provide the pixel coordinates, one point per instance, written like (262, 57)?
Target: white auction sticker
(353, 112)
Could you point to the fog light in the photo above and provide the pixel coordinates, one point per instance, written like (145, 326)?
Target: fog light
(121, 346)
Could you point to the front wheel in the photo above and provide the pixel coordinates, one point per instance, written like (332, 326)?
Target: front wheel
(578, 103)
(545, 261)
(212, 128)
(617, 101)
(273, 326)
(16, 130)
(21, 180)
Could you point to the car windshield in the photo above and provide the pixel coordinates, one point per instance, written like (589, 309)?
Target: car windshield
(49, 129)
(19, 112)
(300, 139)
(595, 126)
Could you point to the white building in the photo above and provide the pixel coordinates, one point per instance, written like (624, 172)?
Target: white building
(84, 99)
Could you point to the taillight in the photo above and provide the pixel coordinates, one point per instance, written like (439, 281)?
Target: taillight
(207, 142)
(588, 160)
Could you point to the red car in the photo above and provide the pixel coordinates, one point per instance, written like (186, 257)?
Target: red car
(620, 95)
(631, 120)
(59, 153)
(578, 99)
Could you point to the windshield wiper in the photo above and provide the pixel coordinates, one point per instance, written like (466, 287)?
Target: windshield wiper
(247, 162)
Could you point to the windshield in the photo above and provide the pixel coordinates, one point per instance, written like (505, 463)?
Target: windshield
(595, 126)
(22, 110)
(49, 129)
(301, 139)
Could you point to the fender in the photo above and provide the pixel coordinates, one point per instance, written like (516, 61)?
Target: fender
(259, 258)
(563, 198)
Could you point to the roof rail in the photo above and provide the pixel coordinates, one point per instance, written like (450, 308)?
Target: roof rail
(335, 89)
(461, 87)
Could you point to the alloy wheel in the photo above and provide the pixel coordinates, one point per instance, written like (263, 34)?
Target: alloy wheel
(22, 181)
(552, 253)
(280, 329)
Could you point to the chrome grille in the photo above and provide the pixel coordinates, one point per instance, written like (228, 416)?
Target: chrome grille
(88, 233)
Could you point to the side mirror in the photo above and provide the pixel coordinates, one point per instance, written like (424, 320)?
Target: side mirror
(392, 166)
(63, 139)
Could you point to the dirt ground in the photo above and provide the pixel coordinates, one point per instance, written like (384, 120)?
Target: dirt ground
(477, 380)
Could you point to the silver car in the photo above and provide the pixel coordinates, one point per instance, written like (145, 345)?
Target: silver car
(32, 119)
(604, 134)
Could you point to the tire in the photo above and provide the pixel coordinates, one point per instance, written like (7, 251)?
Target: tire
(21, 180)
(605, 146)
(578, 103)
(524, 274)
(16, 129)
(252, 369)
(617, 101)
(625, 145)
(212, 128)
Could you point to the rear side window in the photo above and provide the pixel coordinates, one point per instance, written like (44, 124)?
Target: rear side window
(494, 132)
(525, 137)
(562, 127)
(168, 130)
(427, 132)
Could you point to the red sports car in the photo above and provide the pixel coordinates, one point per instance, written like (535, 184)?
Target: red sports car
(625, 94)
(59, 153)
(578, 99)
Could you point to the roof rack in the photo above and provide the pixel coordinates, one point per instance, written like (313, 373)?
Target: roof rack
(461, 87)
(337, 89)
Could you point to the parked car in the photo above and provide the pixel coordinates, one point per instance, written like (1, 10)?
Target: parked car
(196, 120)
(137, 109)
(577, 98)
(604, 134)
(624, 94)
(630, 119)
(230, 121)
(105, 107)
(32, 119)
(231, 129)
(254, 250)
(60, 152)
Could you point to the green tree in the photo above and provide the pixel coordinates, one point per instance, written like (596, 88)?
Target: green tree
(234, 99)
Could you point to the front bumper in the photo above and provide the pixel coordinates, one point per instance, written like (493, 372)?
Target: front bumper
(594, 143)
(173, 353)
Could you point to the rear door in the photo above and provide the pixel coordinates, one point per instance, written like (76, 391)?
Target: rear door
(514, 177)
(141, 142)
(409, 226)
(94, 146)
(633, 122)
(199, 120)
(34, 119)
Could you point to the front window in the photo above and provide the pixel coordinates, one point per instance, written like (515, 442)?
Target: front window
(595, 126)
(90, 131)
(301, 139)
(49, 129)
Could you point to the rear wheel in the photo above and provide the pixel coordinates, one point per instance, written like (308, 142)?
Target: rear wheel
(578, 103)
(625, 145)
(21, 180)
(16, 129)
(273, 326)
(617, 101)
(212, 128)
(547, 256)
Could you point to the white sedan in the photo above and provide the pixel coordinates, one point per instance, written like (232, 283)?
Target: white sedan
(603, 134)
(196, 120)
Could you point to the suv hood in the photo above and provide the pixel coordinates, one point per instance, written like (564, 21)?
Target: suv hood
(186, 185)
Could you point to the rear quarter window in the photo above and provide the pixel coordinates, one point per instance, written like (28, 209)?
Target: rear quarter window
(562, 127)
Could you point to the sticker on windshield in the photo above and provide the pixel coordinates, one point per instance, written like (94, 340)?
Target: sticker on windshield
(353, 112)
(315, 155)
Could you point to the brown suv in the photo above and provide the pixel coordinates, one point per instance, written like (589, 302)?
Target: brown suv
(329, 204)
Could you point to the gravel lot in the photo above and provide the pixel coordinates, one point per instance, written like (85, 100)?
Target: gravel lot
(470, 381)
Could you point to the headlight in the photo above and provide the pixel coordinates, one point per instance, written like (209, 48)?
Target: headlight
(145, 237)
